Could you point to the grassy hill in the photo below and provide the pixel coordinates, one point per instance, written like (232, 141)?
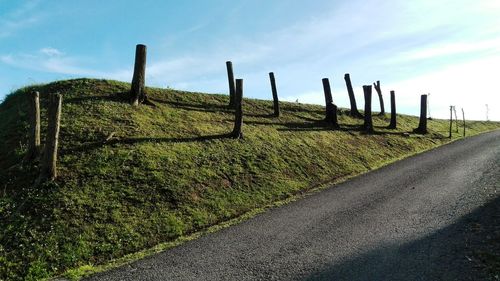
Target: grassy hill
(167, 171)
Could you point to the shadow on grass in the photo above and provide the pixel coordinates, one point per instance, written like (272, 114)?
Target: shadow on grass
(466, 250)
(263, 115)
(320, 125)
(130, 141)
(300, 108)
(204, 107)
(116, 97)
(316, 125)
(438, 136)
(310, 119)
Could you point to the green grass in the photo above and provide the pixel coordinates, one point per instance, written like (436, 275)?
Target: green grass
(167, 172)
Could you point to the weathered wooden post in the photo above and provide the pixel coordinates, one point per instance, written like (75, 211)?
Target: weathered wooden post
(48, 169)
(137, 93)
(456, 118)
(451, 119)
(331, 108)
(276, 103)
(230, 79)
(422, 125)
(380, 98)
(368, 124)
(393, 123)
(34, 123)
(328, 97)
(354, 109)
(463, 116)
(238, 113)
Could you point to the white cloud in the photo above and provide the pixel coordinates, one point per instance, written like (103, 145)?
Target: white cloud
(7, 59)
(52, 60)
(25, 8)
(371, 40)
(8, 27)
(446, 49)
(337, 41)
(51, 52)
(19, 18)
(470, 85)
(196, 28)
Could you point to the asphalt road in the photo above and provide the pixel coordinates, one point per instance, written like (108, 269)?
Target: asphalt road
(406, 221)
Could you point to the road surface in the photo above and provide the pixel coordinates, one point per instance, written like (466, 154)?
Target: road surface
(406, 221)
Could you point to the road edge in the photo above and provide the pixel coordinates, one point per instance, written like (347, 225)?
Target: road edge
(88, 270)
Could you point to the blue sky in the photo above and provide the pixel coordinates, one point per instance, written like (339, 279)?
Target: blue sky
(450, 49)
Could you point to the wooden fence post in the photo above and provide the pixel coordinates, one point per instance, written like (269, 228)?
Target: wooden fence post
(230, 79)
(451, 119)
(380, 98)
(34, 123)
(463, 116)
(137, 93)
(331, 109)
(48, 169)
(368, 124)
(238, 113)
(422, 125)
(393, 123)
(354, 109)
(276, 103)
(456, 118)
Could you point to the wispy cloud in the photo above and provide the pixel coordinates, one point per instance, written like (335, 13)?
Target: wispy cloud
(445, 50)
(470, 85)
(20, 18)
(52, 60)
(196, 27)
(411, 46)
(351, 38)
(342, 37)
(25, 8)
(8, 27)
(51, 52)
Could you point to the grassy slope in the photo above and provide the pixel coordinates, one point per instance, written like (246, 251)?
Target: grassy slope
(158, 178)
